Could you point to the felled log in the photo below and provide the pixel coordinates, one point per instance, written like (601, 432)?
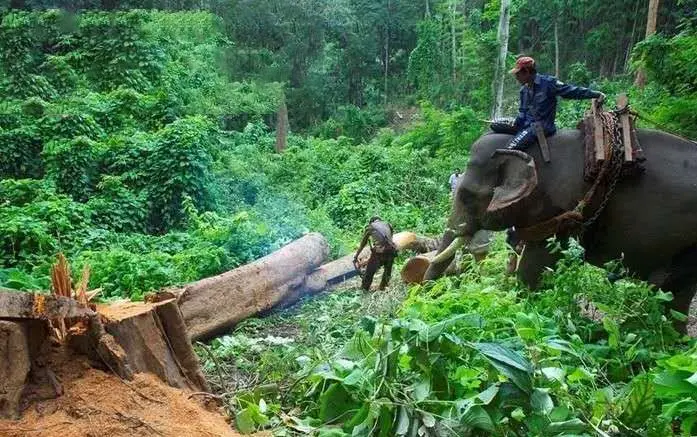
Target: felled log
(415, 268)
(212, 305)
(155, 340)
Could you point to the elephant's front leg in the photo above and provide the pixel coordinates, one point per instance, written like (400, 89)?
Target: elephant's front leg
(534, 259)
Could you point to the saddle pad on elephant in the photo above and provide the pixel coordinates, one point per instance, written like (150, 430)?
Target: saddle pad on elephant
(596, 154)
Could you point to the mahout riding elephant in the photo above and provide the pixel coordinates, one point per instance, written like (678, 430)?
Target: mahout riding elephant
(651, 219)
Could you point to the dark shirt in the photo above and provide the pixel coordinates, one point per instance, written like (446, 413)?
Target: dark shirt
(538, 101)
(381, 234)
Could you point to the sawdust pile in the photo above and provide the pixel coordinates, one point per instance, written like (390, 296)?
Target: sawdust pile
(98, 404)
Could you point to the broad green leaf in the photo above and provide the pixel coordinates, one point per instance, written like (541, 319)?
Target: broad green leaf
(681, 409)
(505, 355)
(674, 383)
(509, 363)
(663, 296)
(559, 414)
(554, 373)
(355, 377)
(331, 432)
(580, 374)
(334, 403)
(561, 345)
(678, 316)
(477, 417)
(431, 332)
(639, 404)
(245, 422)
(489, 394)
(681, 362)
(518, 414)
(688, 425)
(573, 425)
(358, 418)
(613, 331)
(541, 402)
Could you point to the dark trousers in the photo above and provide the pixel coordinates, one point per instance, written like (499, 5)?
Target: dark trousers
(523, 137)
(376, 261)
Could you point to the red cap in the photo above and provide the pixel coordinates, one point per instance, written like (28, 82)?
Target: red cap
(522, 63)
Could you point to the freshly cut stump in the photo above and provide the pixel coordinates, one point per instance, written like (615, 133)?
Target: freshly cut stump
(155, 340)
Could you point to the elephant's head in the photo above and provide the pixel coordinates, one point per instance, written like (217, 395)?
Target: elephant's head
(496, 188)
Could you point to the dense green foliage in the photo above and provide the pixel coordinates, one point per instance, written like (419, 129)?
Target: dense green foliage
(474, 355)
(133, 169)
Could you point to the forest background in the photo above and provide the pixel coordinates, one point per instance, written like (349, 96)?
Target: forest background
(144, 142)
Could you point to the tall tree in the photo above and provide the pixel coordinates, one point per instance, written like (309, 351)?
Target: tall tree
(650, 30)
(556, 47)
(499, 76)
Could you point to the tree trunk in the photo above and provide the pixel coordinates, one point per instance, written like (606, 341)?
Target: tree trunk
(453, 52)
(281, 126)
(428, 9)
(387, 47)
(499, 77)
(213, 305)
(556, 48)
(640, 80)
(631, 38)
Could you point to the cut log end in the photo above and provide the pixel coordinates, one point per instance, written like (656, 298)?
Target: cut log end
(414, 269)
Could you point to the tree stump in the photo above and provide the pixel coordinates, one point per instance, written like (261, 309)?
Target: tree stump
(155, 340)
(19, 342)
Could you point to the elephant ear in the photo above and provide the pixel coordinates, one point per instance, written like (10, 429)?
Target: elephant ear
(517, 178)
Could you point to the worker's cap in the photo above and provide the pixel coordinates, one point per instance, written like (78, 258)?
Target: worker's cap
(522, 63)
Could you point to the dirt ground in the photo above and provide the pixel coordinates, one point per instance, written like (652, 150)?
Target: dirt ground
(99, 404)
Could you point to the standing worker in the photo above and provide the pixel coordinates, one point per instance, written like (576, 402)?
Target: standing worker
(382, 252)
(454, 179)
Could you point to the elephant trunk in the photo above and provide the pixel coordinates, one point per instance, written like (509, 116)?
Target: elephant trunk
(449, 247)
(449, 251)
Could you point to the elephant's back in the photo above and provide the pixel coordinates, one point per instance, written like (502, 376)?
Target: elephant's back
(652, 216)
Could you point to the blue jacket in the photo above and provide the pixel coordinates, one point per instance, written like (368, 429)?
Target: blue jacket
(539, 101)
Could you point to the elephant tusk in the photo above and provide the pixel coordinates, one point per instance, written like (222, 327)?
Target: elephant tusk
(449, 251)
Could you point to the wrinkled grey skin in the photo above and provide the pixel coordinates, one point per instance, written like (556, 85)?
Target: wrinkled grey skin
(651, 219)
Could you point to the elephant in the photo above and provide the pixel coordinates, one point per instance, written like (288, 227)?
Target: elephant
(650, 219)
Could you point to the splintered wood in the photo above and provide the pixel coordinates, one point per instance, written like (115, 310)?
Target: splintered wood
(61, 283)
